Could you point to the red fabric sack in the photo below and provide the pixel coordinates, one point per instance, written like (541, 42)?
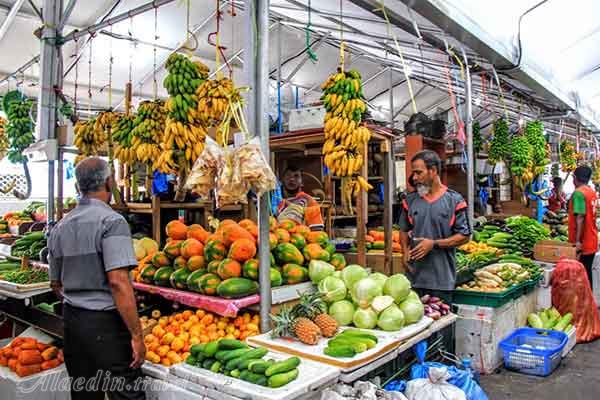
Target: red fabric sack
(571, 292)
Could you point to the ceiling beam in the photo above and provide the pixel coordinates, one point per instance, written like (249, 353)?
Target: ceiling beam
(12, 14)
(67, 13)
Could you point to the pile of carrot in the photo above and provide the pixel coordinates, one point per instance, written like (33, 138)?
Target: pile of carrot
(27, 356)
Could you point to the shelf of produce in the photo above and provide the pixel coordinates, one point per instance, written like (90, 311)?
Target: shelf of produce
(19, 309)
(23, 295)
(386, 342)
(312, 376)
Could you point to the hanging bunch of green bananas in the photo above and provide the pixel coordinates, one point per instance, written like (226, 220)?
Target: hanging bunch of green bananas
(477, 139)
(148, 131)
(534, 131)
(345, 137)
(122, 135)
(568, 156)
(20, 128)
(521, 160)
(3, 138)
(181, 83)
(500, 145)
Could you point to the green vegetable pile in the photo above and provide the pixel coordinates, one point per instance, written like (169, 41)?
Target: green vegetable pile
(25, 276)
(526, 231)
(550, 318)
(477, 139)
(349, 343)
(234, 358)
(20, 128)
(474, 260)
(29, 245)
(534, 132)
(500, 146)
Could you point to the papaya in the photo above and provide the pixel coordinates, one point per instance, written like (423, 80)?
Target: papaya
(197, 232)
(313, 251)
(253, 231)
(179, 277)
(288, 253)
(214, 250)
(195, 263)
(242, 250)
(191, 247)
(160, 259)
(246, 223)
(396, 236)
(226, 222)
(338, 261)
(237, 287)
(396, 247)
(173, 248)
(176, 230)
(272, 223)
(378, 245)
(213, 266)
(194, 280)
(273, 240)
(283, 236)
(272, 262)
(276, 279)
(298, 240)
(147, 274)
(302, 230)
(229, 268)
(179, 262)
(250, 269)
(318, 237)
(377, 235)
(233, 232)
(287, 224)
(330, 248)
(369, 238)
(293, 273)
(209, 283)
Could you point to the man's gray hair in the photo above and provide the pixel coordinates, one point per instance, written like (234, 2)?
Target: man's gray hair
(91, 174)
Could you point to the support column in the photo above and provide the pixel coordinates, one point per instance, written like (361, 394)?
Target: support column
(49, 83)
(471, 164)
(256, 65)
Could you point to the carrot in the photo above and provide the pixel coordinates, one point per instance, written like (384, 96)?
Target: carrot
(16, 352)
(50, 364)
(8, 352)
(26, 370)
(29, 357)
(17, 342)
(12, 364)
(50, 353)
(29, 345)
(3, 361)
(369, 238)
(42, 346)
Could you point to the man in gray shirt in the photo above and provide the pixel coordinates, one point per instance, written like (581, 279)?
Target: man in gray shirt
(90, 254)
(432, 224)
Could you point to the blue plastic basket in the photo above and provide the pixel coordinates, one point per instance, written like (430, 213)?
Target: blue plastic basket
(533, 351)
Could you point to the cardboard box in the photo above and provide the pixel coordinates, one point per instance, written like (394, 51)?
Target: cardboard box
(552, 250)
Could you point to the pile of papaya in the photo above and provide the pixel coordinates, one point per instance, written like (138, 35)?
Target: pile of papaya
(375, 241)
(26, 356)
(224, 262)
(234, 358)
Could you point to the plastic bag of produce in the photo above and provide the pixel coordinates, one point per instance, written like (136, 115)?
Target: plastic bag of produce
(571, 292)
(434, 387)
(201, 179)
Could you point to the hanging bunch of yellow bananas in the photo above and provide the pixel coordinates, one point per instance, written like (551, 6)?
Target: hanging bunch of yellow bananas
(89, 140)
(213, 99)
(149, 125)
(596, 172)
(3, 139)
(104, 120)
(122, 135)
(183, 144)
(345, 137)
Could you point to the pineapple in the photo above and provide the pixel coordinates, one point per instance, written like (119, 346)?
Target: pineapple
(287, 324)
(313, 307)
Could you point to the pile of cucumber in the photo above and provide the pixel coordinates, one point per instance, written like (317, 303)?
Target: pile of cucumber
(29, 245)
(349, 343)
(234, 358)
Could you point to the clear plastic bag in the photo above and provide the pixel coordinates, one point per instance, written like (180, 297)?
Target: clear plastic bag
(231, 188)
(434, 387)
(202, 178)
(255, 170)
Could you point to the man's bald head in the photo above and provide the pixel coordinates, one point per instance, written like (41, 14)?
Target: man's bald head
(92, 175)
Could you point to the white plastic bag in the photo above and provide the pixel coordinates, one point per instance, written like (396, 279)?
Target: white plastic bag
(434, 388)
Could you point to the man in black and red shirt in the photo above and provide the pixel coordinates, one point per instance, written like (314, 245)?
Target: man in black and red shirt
(433, 223)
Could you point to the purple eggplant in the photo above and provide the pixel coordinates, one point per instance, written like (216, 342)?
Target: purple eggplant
(434, 307)
(425, 299)
(444, 307)
(434, 299)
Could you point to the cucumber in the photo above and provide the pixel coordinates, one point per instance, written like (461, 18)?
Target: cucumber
(231, 344)
(191, 360)
(245, 364)
(206, 364)
(259, 366)
(235, 373)
(216, 367)
(368, 343)
(197, 349)
(251, 377)
(200, 358)
(283, 366)
(231, 354)
(358, 333)
(210, 348)
(340, 351)
(258, 352)
(563, 322)
(233, 363)
(282, 379)
(358, 346)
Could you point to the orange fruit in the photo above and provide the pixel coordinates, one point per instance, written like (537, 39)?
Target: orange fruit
(162, 350)
(229, 336)
(187, 325)
(195, 330)
(194, 340)
(221, 332)
(221, 325)
(158, 331)
(187, 314)
(229, 328)
(204, 339)
(213, 336)
(177, 344)
(185, 355)
(167, 338)
(212, 328)
(149, 338)
(247, 317)
(200, 313)
(194, 319)
(166, 362)
(184, 336)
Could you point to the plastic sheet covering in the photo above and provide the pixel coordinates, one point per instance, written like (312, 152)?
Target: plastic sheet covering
(47, 385)
(218, 305)
(571, 292)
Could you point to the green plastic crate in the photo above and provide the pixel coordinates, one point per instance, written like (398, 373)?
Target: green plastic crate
(485, 299)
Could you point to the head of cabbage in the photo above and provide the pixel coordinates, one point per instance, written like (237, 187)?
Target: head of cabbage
(332, 289)
(365, 318)
(412, 309)
(352, 274)
(413, 295)
(391, 319)
(364, 291)
(319, 270)
(397, 286)
(342, 311)
(379, 277)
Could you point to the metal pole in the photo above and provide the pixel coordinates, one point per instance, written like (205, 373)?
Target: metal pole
(391, 117)
(256, 64)
(12, 14)
(279, 44)
(470, 152)
(67, 13)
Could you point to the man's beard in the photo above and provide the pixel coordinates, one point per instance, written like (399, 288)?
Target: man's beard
(423, 189)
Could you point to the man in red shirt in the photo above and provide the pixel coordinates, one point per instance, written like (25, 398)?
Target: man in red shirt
(557, 200)
(582, 219)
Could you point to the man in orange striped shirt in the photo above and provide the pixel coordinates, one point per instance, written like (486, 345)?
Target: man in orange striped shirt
(298, 205)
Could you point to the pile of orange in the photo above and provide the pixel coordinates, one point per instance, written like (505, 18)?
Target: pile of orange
(170, 340)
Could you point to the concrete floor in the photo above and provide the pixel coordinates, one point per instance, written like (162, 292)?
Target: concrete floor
(577, 378)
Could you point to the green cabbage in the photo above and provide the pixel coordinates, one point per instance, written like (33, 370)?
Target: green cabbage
(352, 274)
(319, 270)
(337, 274)
(413, 295)
(364, 291)
(365, 318)
(342, 311)
(333, 289)
(397, 286)
(379, 277)
(380, 303)
(412, 309)
(391, 319)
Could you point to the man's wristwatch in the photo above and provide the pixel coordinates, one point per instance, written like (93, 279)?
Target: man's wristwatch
(435, 244)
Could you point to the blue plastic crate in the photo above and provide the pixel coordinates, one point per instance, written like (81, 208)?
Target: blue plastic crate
(533, 351)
